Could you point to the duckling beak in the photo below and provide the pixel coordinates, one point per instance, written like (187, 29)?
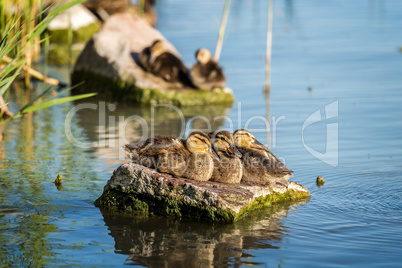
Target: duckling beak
(233, 150)
(212, 153)
(258, 145)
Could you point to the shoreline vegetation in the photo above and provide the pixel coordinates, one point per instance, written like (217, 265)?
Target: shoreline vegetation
(22, 25)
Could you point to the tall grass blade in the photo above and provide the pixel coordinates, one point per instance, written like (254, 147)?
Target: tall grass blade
(41, 27)
(52, 102)
(4, 87)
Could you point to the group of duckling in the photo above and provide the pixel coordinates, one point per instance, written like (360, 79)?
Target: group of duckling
(204, 74)
(218, 156)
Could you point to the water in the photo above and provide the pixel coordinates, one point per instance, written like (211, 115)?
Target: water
(346, 52)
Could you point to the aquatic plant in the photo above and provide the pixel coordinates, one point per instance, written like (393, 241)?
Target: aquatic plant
(222, 28)
(20, 35)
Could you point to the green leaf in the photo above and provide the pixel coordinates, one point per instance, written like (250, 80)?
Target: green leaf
(8, 84)
(10, 67)
(52, 102)
(36, 98)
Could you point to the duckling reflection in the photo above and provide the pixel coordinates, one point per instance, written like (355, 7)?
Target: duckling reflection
(260, 166)
(206, 73)
(190, 158)
(157, 60)
(228, 169)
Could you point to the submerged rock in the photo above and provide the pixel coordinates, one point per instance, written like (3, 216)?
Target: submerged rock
(109, 65)
(141, 190)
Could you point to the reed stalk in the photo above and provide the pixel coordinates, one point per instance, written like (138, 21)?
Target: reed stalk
(222, 29)
(20, 33)
(269, 48)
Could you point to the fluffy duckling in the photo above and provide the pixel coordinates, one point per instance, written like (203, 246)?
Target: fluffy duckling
(260, 166)
(157, 60)
(206, 73)
(190, 158)
(149, 152)
(229, 168)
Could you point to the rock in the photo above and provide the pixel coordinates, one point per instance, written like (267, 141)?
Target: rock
(141, 190)
(102, 9)
(82, 24)
(109, 65)
(320, 181)
(75, 17)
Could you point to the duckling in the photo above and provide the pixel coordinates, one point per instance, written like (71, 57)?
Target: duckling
(260, 166)
(157, 60)
(229, 168)
(206, 73)
(148, 152)
(144, 57)
(190, 158)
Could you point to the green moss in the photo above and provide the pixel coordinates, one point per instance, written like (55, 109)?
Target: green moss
(58, 180)
(81, 35)
(62, 54)
(144, 204)
(129, 93)
(320, 181)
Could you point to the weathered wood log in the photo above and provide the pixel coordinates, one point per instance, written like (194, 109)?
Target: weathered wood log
(141, 190)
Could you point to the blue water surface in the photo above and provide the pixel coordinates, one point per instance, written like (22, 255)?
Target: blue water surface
(334, 111)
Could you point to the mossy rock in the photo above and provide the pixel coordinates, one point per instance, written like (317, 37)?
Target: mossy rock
(81, 35)
(128, 92)
(109, 65)
(143, 191)
(61, 54)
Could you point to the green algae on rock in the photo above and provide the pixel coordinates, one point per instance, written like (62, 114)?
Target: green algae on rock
(110, 89)
(69, 32)
(142, 191)
(109, 65)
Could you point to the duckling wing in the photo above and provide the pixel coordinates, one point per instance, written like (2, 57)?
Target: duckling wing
(207, 76)
(133, 149)
(215, 72)
(174, 162)
(149, 152)
(263, 170)
(275, 166)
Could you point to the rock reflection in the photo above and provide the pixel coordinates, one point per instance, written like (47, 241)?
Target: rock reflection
(159, 242)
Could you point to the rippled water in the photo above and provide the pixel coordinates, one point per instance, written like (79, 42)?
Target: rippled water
(342, 55)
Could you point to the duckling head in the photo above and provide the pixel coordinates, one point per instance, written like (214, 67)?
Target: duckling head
(156, 49)
(223, 142)
(245, 138)
(199, 142)
(203, 55)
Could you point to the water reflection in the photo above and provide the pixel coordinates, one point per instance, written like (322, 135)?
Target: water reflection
(108, 126)
(32, 153)
(157, 242)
